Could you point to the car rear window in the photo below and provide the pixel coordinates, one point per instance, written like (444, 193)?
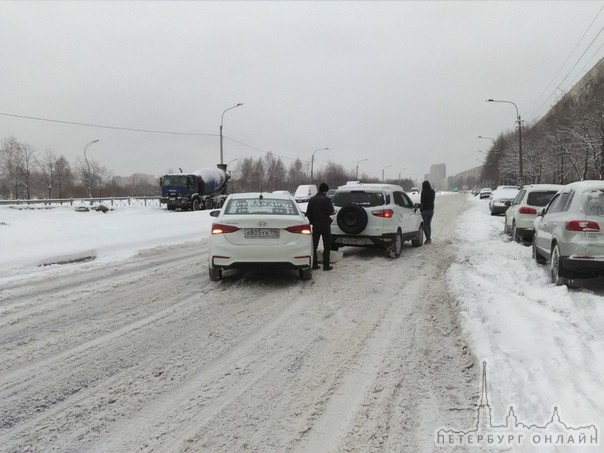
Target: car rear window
(540, 198)
(592, 202)
(358, 197)
(269, 206)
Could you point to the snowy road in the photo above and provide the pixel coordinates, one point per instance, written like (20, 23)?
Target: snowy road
(149, 355)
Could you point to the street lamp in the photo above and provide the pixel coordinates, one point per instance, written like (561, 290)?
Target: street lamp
(221, 122)
(357, 172)
(492, 140)
(312, 163)
(519, 120)
(88, 166)
(383, 171)
(399, 176)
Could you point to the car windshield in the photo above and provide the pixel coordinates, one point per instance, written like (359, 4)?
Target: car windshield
(359, 197)
(270, 206)
(174, 180)
(592, 202)
(540, 198)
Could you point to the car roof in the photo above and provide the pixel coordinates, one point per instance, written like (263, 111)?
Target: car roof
(370, 186)
(580, 186)
(532, 187)
(269, 195)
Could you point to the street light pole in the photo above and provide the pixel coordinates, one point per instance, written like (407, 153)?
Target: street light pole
(492, 140)
(312, 163)
(519, 120)
(88, 166)
(221, 122)
(357, 172)
(383, 180)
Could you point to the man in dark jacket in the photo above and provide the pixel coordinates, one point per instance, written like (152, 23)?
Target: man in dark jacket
(319, 213)
(427, 200)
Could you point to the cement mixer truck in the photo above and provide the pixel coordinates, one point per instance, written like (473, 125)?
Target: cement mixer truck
(202, 189)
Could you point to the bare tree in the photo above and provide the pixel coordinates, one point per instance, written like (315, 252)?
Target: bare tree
(296, 175)
(63, 176)
(275, 174)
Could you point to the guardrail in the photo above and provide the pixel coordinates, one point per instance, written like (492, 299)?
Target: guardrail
(108, 201)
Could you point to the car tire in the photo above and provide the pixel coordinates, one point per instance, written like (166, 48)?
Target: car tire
(539, 259)
(419, 238)
(208, 204)
(305, 273)
(215, 274)
(395, 249)
(555, 266)
(196, 204)
(352, 219)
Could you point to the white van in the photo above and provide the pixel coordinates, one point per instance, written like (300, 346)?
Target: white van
(304, 192)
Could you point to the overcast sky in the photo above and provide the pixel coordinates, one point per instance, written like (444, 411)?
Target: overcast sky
(402, 84)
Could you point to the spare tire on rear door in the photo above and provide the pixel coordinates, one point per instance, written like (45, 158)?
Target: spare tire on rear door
(352, 219)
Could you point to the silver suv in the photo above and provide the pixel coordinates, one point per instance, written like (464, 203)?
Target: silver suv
(375, 215)
(568, 232)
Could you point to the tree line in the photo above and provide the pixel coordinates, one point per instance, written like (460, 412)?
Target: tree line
(564, 146)
(28, 174)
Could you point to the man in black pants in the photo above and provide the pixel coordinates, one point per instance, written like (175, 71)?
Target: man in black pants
(319, 213)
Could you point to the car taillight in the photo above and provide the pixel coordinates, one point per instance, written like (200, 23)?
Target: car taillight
(219, 228)
(299, 229)
(582, 225)
(527, 210)
(385, 213)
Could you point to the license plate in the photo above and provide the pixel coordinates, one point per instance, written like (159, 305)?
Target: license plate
(352, 241)
(262, 233)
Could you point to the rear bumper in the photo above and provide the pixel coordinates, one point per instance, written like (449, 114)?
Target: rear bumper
(294, 255)
(220, 263)
(343, 240)
(581, 266)
(525, 233)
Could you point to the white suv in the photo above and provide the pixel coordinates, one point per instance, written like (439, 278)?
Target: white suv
(375, 215)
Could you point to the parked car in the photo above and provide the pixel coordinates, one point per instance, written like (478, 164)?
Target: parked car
(485, 192)
(260, 229)
(304, 193)
(501, 198)
(520, 216)
(375, 215)
(568, 232)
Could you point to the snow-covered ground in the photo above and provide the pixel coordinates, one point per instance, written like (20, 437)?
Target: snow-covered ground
(542, 344)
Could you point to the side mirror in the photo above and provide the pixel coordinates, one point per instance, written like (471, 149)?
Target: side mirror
(417, 206)
(540, 212)
(215, 213)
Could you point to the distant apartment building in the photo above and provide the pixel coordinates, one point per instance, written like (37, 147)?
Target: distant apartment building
(438, 176)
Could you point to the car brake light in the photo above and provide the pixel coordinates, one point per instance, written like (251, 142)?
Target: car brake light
(384, 213)
(219, 228)
(582, 225)
(527, 210)
(299, 229)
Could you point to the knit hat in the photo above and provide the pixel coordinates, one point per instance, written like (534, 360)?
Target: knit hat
(323, 187)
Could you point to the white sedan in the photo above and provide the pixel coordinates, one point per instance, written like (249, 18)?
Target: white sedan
(260, 229)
